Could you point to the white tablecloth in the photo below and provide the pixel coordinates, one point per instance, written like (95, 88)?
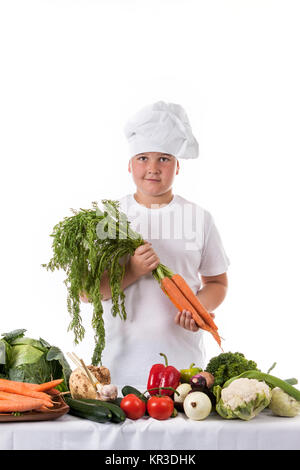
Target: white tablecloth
(264, 432)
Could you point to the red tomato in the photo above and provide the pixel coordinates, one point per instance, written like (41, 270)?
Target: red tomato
(133, 406)
(160, 407)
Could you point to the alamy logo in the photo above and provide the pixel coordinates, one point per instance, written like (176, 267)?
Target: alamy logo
(180, 222)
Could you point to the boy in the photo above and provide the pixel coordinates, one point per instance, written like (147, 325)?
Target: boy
(179, 234)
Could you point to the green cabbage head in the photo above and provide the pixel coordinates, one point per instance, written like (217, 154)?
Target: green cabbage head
(243, 398)
(30, 360)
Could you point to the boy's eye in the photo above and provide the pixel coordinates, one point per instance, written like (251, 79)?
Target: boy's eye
(143, 158)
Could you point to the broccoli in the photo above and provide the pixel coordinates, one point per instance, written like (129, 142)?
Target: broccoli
(227, 365)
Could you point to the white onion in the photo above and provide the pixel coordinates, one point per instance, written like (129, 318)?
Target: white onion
(197, 406)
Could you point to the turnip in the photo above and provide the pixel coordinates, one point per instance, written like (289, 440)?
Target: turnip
(197, 406)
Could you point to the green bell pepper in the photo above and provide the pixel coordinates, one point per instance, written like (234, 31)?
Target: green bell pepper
(187, 374)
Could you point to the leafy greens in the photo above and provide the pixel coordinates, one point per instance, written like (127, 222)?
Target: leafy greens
(25, 359)
(86, 245)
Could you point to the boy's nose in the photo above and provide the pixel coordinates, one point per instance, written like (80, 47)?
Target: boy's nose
(153, 174)
(152, 168)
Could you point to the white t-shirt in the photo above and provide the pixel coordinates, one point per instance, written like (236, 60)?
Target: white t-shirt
(186, 240)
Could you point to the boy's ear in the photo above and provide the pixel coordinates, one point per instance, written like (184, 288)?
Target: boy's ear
(129, 166)
(177, 167)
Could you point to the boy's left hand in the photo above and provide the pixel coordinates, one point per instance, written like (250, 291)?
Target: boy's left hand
(186, 321)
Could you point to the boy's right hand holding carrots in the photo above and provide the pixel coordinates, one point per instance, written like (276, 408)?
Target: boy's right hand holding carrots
(144, 260)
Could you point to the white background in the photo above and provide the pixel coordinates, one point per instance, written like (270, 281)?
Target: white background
(72, 72)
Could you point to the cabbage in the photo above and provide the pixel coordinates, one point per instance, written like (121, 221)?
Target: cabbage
(283, 404)
(29, 360)
(243, 398)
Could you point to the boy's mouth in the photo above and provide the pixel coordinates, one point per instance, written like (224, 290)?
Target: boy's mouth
(150, 179)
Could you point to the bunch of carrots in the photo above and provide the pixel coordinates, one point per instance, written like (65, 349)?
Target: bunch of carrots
(24, 396)
(182, 296)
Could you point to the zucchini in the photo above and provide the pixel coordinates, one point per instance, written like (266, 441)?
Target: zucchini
(88, 410)
(118, 415)
(91, 417)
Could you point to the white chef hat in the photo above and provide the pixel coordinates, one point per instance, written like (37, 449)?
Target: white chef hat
(161, 127)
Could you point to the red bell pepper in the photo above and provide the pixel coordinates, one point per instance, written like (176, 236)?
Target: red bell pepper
(163, 376)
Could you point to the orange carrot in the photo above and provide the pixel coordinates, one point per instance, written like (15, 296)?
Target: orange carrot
(21, 388)
(12, 396)
(21, 398)
(7, 381)
(37, 387)
(214, 333)
(193, 299)
(178, 299)
(177, 305)
(11, 405)
(48, 385)
(182, 303)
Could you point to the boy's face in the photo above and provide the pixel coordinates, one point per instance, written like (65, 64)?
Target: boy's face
(153, 172)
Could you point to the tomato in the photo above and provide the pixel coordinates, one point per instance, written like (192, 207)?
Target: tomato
(133, 406)
(160, 407)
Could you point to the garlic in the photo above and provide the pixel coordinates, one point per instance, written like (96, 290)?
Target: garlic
(107, 392)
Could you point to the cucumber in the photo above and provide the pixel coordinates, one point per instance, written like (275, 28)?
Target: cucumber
(88, 410)
(129, 389)
(118, 415)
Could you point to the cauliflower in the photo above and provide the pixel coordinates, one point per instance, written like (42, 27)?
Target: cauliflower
(242, 391)
(283, 404)
(243, 398)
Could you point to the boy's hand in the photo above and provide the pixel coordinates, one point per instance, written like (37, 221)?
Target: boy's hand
(185, 320)
(143, 261)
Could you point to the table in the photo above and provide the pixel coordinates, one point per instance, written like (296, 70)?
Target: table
(264, 432)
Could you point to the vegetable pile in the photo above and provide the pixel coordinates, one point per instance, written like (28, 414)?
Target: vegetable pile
(92, 242)
(24, 359)
(194, 392)
(166, 395)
